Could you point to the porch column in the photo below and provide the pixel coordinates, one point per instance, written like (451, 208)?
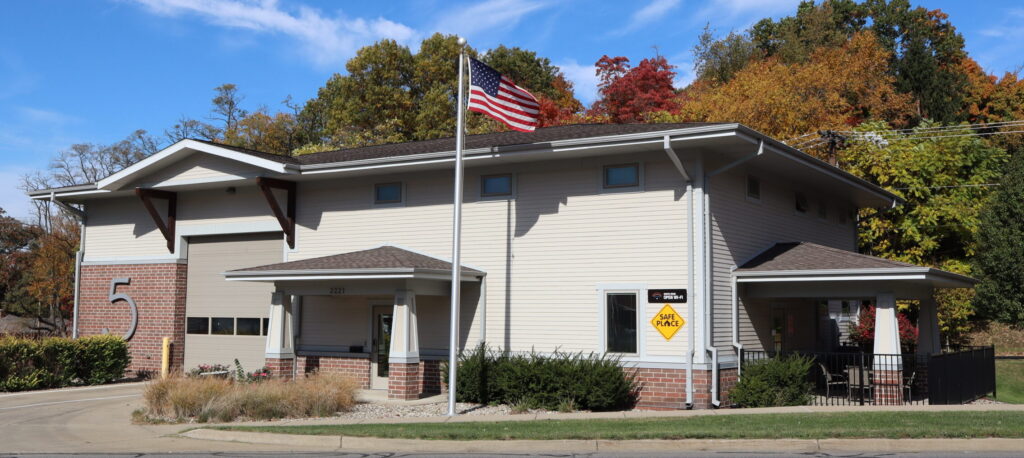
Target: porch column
(404, 380)
(887, 362)
(280, 350)
(928, 339)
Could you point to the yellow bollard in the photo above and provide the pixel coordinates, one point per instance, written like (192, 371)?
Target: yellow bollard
(165, 362)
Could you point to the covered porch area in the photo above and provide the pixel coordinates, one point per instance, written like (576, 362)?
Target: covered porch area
(806, 298)
(380, 316)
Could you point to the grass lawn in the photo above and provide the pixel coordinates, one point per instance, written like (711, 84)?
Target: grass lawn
(753, 426)
(1010, 380)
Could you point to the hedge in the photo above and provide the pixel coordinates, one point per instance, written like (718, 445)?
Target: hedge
(775, 382)
(583, 381)
(54, 362)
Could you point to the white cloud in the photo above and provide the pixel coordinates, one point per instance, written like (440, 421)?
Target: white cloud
(653, 11)
(584, 80)
(487, 16)
(45, 116)
(325, 40)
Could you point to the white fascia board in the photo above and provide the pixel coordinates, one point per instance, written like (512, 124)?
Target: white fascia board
(185, 147)
(57, 194)
(345, 274)
(904, 273)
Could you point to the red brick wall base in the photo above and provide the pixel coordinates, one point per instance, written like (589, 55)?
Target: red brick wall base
(665, 389)
(159, 292)
(281, 368)
(356, 368)
(888, 387)
(405, 381)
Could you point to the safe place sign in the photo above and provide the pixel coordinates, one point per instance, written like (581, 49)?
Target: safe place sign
(668, 322)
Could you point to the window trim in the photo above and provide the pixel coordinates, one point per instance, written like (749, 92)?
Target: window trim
(640, 290)
(751, 198)
(389, 203)
(512, 187)
(622, 188)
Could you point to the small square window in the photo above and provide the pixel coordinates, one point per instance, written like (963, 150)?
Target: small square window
(248, 327)
(387, 193)
(197, 325)
(223, 326)
(622, 176)
(753, 187)
(496, 185)
(621, 314)
(800, 202)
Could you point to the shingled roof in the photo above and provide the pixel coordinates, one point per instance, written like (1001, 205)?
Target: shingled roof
(542, 135)
(795, 256)
(375, 259)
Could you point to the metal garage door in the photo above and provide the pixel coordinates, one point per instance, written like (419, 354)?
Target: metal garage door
(227, 320)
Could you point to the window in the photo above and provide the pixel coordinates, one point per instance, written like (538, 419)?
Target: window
(266, 326)
(387, 193)
(197, 325)
(496, 185)
(822, 210)
(248, 327)
(621, 314)
(223, 326)
(800, 202)
(621, 176)
(753, 187)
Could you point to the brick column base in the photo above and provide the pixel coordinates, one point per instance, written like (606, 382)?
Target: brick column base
(404, 381)
(888, 386)
(281, 367)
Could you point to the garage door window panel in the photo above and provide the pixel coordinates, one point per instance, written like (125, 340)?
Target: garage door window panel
(223, 326)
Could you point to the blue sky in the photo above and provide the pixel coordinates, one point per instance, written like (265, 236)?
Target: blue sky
(94, 71)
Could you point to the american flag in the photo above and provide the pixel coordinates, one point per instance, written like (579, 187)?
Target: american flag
(494, 95)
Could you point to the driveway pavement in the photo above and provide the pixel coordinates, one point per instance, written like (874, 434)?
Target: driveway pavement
(95, 420)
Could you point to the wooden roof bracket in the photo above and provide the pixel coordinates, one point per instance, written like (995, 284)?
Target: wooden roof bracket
(166, 228)
(285, 218)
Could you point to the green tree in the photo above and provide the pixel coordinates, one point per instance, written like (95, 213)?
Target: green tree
(717, 60)
(1000, 296)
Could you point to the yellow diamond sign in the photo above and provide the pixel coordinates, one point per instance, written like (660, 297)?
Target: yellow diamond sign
(668, 322)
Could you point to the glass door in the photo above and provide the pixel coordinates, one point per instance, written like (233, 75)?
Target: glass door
(381, 347)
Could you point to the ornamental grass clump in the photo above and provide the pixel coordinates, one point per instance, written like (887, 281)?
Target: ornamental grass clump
(205, 399)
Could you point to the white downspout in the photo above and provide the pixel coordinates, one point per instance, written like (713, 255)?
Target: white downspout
(80, 216)
(709, 272)
(689, 275)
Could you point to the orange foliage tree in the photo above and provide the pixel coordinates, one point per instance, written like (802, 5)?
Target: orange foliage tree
(835, 88)
(52, 272)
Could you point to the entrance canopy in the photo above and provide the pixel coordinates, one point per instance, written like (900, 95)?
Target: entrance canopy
(802, 269)
(381, 263)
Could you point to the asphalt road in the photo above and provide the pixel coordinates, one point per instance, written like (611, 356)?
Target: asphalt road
(96, 422)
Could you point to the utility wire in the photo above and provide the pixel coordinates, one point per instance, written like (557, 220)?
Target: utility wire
(979, 185)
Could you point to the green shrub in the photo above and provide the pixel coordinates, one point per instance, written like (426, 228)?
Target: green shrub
(27, 364)
(775, 382)
(585, 381)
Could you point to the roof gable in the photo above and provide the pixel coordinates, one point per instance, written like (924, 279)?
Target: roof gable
(811, 256)
(254, 161)
(374, 259)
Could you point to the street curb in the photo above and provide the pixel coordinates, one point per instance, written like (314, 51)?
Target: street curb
(350, 443)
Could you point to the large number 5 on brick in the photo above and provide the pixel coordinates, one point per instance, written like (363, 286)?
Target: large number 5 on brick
(114, 297)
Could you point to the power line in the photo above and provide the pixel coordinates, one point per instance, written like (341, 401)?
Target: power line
(949, 186)
(914, 137)
(950, 127)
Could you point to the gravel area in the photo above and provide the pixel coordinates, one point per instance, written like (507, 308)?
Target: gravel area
(370, 411)
(986, 401)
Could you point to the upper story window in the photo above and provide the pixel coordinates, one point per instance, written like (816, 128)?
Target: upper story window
(753, 188)
(622, 176)
(621, 313)
(387, 193)
(800, 203)
(496, 185)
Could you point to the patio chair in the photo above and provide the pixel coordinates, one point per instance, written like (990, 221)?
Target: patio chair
(908, 384)
(859, 380)
(832, 380)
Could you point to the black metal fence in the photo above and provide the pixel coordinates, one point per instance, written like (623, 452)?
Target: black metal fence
(962, 376)
(858, 378)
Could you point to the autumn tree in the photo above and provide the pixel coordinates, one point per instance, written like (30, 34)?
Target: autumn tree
(17, 240)
(52, 274)
(630, 94)
(834, 89)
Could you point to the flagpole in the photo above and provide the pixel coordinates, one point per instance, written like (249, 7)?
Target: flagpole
(453, 341)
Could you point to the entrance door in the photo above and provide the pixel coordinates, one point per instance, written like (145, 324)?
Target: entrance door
(381, 347)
